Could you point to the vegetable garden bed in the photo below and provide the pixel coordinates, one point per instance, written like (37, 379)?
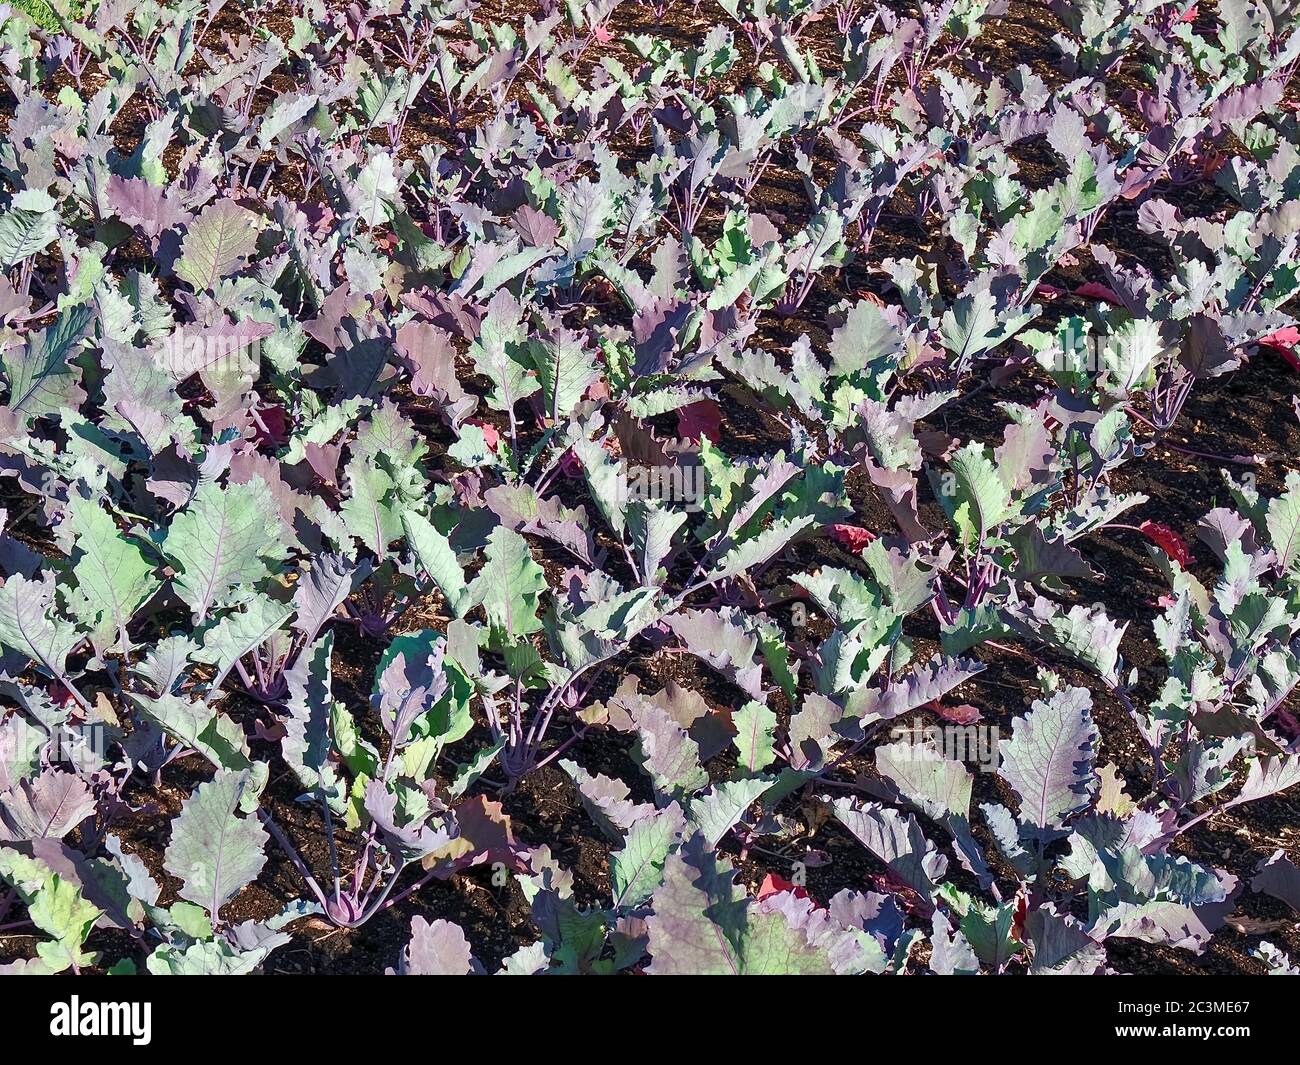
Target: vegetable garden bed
(749, 487)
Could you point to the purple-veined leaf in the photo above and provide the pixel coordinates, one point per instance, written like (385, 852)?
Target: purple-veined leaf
(1049, 758)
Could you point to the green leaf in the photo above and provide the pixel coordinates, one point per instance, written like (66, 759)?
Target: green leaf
(216, 244)
(376, 194)
(223, 539)
(783, 666)
(703, 925)
(933, 783)
(565, 367)
(1129, 355)
(988, 929)
(55, 906)
(41, 380)
(1040, 225)
(755, 736)
(897, 841)
(239, 632)
(1049, 758)
(652, 527)
(1283, 524)
(975, 323)
(606, 479)
(213, 851)
(666, 751)
(416, 662)
(285, 111)
(198, 725)
(974, 497)
(970, 326)
(30, 624)
(866, 337)
(371, 511)
(470, 771)
(606, 800)
(306, 745)
(761, 548)
(719, 808)
(498, 353)
(1088, 633)
(1268, 776)
(27, 227)
(509, 587)
(636, 869)
(1061, 945)
(215, 957)
(190, 919)
(112, 574)
(434, 553)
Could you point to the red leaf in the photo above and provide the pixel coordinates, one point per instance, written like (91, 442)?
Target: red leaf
(491, 435)
(774, 885)
(271, 426)
(61, 695)
(1018, 920)
(700, 419)
(962, 714)
(1284, 342)
(853, 537)
(571, 466)
(531, 110)
(1094, 291)
(1168, 541)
